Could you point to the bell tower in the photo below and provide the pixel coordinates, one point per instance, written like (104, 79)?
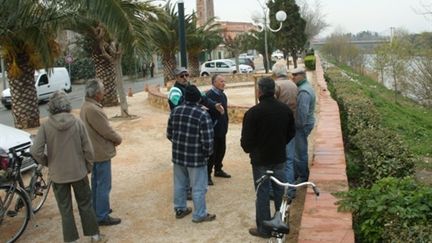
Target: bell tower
(205, 11)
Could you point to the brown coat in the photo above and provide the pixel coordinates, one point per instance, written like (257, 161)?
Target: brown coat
(68, 147)
(286, 92)
(102, 135)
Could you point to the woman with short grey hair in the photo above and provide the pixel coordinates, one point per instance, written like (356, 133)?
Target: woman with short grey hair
(68, 153)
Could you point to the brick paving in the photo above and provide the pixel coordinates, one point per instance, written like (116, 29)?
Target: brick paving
(321, 222)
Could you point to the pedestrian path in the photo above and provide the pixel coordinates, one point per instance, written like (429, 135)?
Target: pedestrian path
(321, 222)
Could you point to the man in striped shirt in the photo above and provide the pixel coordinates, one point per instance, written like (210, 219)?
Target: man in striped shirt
(190, 129)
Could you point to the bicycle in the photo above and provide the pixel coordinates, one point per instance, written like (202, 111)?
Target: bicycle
(18, 202)
(279, 223)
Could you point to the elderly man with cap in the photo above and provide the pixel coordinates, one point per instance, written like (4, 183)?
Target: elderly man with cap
(286, 92)
(305, 121)
(190, 129)
(176, 94)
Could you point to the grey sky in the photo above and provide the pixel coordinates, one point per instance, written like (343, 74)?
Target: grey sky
(345, 15)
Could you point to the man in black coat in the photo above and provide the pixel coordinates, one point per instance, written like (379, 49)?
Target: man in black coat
(267, 129)
(220, 121)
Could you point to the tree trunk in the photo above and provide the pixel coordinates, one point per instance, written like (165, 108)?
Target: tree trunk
(194, 68)
(169, 64)
(294, 57)
(120, 89)
(105, 71)
(25, 108)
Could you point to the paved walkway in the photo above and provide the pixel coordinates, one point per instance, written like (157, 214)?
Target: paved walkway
(321, 222)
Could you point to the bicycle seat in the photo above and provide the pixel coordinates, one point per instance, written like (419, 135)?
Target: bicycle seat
(276, 224)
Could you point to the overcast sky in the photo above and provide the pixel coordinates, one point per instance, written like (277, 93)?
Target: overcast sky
(346, 15)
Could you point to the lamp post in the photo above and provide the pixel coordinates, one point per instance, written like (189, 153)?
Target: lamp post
(182, 35)
(3, 71)
(263, 22)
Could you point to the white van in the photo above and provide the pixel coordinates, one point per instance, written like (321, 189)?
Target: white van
(46, 83)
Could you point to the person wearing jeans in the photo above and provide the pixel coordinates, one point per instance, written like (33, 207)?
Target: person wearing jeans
(104, 140)
(286, 92)
(305, 120)
(190, 130)
(267, 129)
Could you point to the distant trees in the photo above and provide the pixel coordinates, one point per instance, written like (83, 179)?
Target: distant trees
(292, 37)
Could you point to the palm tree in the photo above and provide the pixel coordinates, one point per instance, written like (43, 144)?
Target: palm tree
(198, 39)
(27, 42)
(113, 27)
(165, 37)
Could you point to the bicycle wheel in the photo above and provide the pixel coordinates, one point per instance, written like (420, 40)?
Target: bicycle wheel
(39, 187)
(14, 213)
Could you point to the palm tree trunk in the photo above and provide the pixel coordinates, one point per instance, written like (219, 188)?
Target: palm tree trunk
(169, 64)
(105, 71)
(121, 90)
(194, 66)
(25, 108)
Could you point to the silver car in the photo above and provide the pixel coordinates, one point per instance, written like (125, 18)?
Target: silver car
(10, 137)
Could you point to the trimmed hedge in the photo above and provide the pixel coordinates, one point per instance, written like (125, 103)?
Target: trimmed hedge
(309, 62)
(376, 152)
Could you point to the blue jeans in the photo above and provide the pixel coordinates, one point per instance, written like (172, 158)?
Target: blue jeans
(262, 204)
(301, 166)
(289, 166)
(197, 178)
(101, 188)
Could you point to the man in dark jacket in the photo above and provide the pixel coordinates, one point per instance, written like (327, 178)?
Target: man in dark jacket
(267, 129)
(220, 121)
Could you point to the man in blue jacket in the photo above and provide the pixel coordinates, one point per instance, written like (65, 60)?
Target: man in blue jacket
(220, 121)
(305, 121)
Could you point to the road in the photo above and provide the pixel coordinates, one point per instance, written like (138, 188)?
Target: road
(76, 98)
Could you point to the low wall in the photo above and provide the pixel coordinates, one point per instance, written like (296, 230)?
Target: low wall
(321, 221)
(160, 100)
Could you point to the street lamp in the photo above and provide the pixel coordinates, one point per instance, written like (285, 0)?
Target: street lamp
(182, 35)
(263, 22)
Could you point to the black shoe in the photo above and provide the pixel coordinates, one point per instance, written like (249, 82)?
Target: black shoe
(221, 173)
(207, 218)
(109, 221)
(210, 182)
(255, 232)
(182, 213)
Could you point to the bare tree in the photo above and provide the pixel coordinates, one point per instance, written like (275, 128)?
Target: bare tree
(314, 17)
(421, 78)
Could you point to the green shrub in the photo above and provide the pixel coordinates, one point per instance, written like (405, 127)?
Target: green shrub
(309, 62)
(380, 154)
(392, 210)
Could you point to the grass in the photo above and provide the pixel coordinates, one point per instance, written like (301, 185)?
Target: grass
(410, 120)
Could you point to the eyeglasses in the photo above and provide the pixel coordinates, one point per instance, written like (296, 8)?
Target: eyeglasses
(184, 75)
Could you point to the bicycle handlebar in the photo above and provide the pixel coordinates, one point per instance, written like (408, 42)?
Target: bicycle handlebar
(269, 174)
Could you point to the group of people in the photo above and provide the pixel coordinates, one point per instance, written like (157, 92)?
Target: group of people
(72, 148)
(274, 133)
(148, 67)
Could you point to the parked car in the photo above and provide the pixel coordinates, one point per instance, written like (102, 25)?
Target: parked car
(11, 137)
(246, 61)
(277, 55)
(223, 66)
(46, 83)
(246, 55)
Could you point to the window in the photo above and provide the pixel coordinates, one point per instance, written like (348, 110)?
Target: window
(221, 65)
(210, 65)
(43, 80)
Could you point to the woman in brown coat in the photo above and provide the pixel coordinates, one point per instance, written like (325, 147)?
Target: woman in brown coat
(68, 152)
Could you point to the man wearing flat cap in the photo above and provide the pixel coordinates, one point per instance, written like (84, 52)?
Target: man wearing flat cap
(190, 129)
(176, 94)
(305, 121)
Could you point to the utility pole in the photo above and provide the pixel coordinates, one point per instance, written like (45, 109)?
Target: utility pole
(391, 34)
(3, 72)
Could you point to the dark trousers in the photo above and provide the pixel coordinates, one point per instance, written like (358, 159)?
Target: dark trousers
(262, 204)
(83, 197)
(216, 158)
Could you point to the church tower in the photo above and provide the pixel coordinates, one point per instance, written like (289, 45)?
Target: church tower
(205, 11)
